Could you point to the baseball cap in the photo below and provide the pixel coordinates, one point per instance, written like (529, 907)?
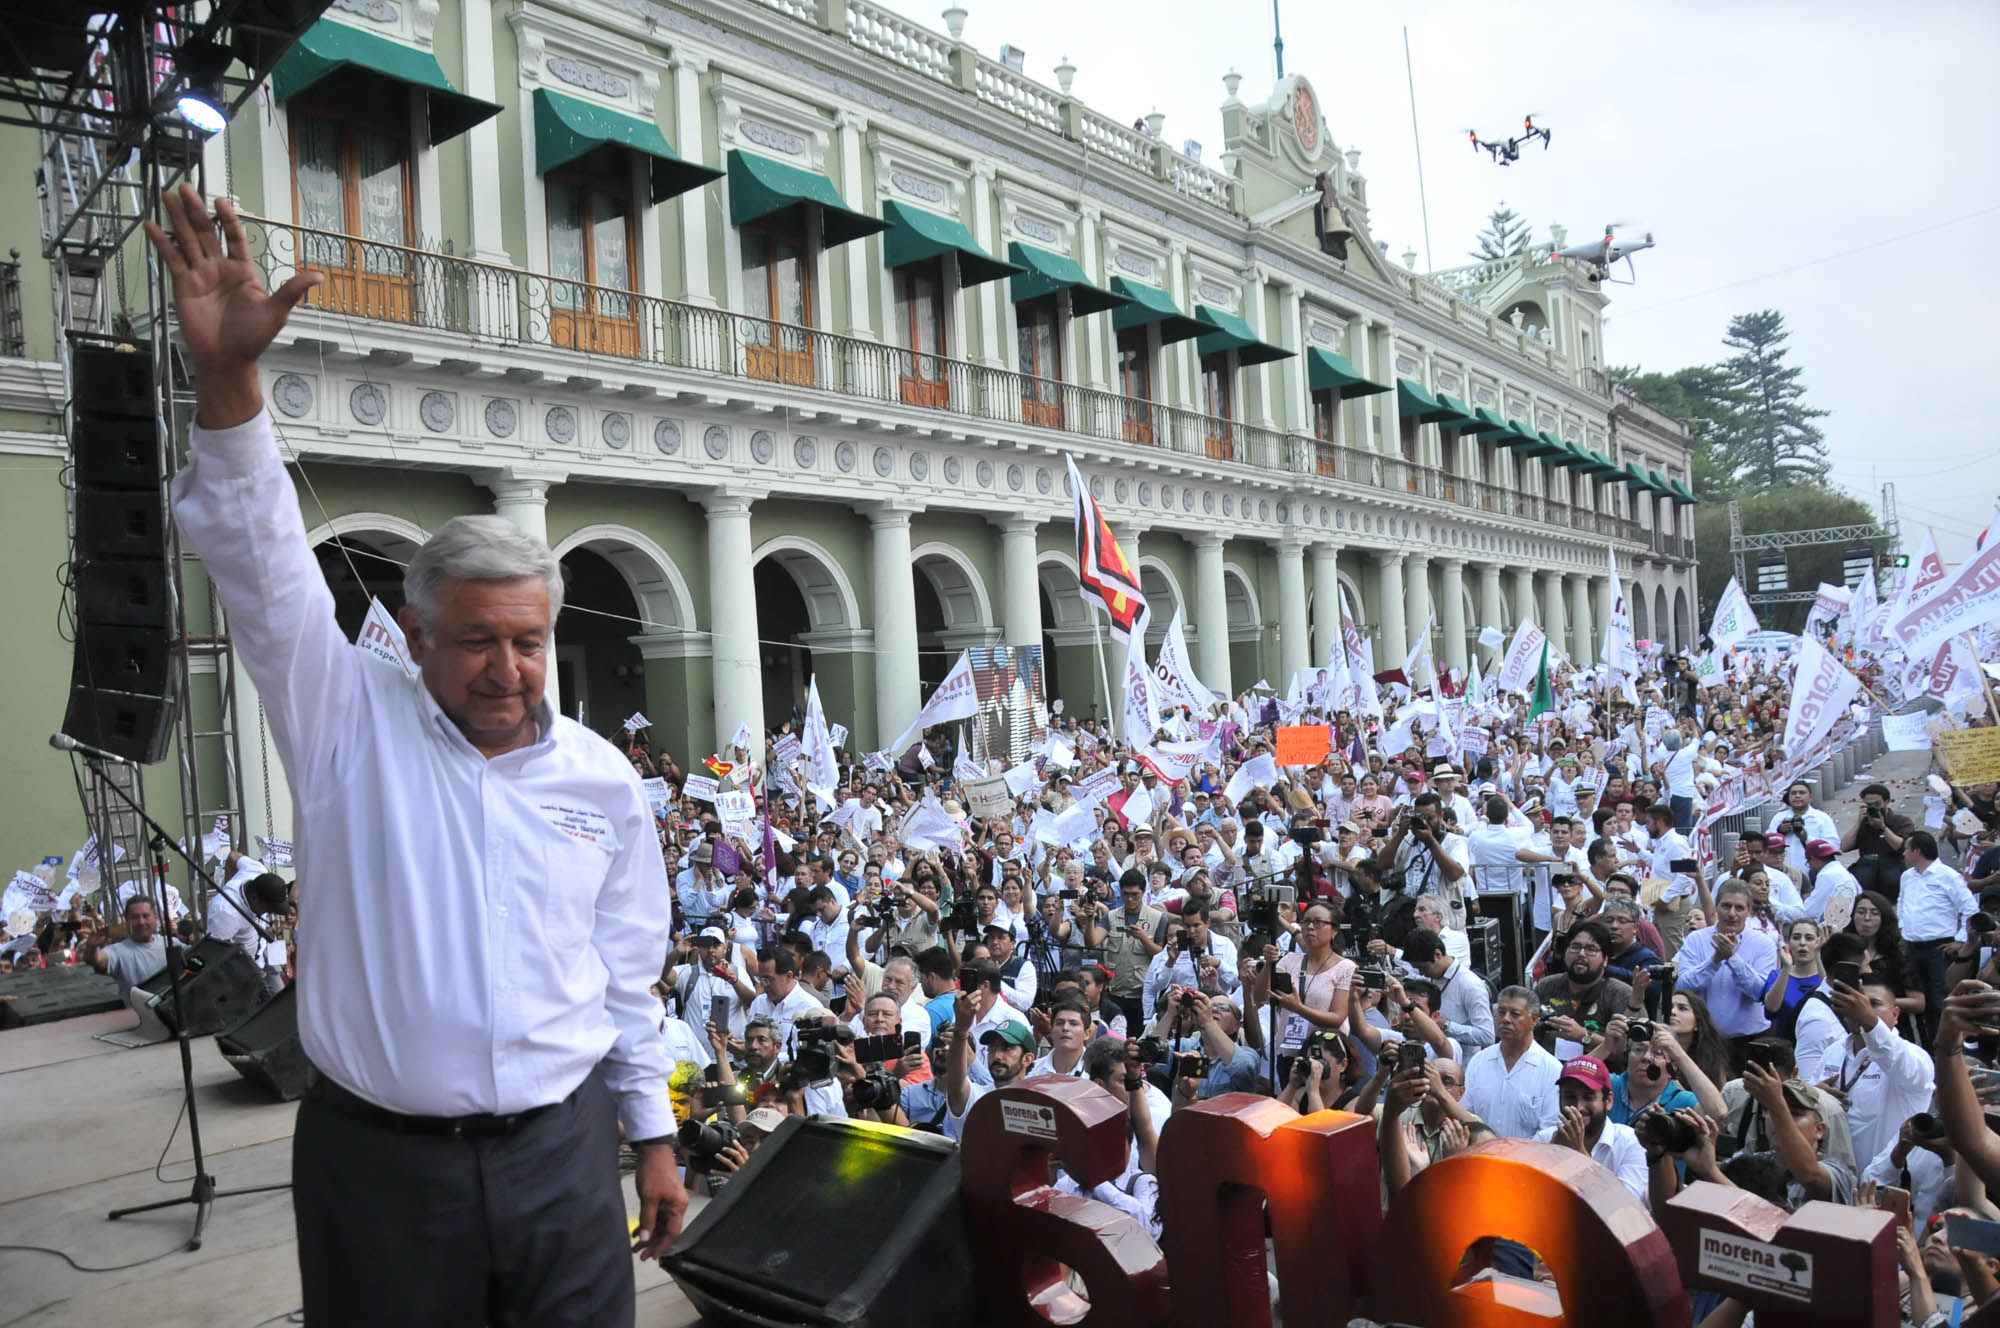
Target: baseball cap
(764, 1119)
(715, 934)
(1774, 841)
(1018, 1034)
(1588, 1071)
(1821, 848)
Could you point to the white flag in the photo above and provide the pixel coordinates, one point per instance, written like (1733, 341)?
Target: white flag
(1524, 658)
(1920, 579)
(1822, 689)
(955, 698)
(1142, 711)
(1257, 772)
(1621, 648)
(1174, 672)
(1860, 619)
(1420, 657)
(822, 770)
(1492, 638)
(1172, 761)
(1360, 695)
(381, 637)
(1828, 604)
(1969, 598)
(1733, 619)
(637, 722)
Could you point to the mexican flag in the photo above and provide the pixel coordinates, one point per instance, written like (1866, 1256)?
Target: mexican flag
(1543, 699)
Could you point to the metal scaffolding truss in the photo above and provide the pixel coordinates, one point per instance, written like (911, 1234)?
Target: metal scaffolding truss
(1885, 533)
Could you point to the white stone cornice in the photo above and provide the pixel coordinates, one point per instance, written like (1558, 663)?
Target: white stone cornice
(673, 645)
(31, 385)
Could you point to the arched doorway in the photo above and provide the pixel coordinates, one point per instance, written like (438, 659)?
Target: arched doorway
(1246, 631)
(1683, 633)
(953, 611)
(1163, 597)
(600, 675)
(633, 657)
(1640, 618)
(1069, 641)
(807, 623)
(1661, 623)
(362, 557)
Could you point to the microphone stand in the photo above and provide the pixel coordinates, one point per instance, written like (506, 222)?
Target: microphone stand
(203, 1192)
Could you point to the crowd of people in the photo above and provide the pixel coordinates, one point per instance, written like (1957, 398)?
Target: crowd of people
(1542, 944)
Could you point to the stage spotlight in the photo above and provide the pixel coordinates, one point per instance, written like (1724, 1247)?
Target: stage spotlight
(204, 102)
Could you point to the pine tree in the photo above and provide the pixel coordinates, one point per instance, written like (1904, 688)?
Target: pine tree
(1768, 439)
(1507, 233)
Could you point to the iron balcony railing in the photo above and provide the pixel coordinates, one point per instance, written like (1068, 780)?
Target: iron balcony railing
(496, 305)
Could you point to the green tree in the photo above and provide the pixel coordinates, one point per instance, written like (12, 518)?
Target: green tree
(1799, 508)
(1507, 233)
(1768, 440)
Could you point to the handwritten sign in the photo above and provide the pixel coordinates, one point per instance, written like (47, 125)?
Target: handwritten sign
(1972, 755)
(1304, 744)
(735, 810)
(1906, 733)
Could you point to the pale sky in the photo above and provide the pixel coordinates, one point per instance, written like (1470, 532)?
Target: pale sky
(1752, 139)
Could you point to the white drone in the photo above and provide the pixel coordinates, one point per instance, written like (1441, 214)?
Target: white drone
(1599, 255)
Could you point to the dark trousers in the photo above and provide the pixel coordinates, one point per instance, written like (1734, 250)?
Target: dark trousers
(1683, 809)
(418, 1229)
(1880, 873)
(1928, 962)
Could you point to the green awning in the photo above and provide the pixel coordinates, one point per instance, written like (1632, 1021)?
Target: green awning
(1544, 444)
(347, 55)
(1635, 477)
(1329, 372)
(1604, 467)
(1150, 304)
(1517, 435)
(1682, 494)
(1232, 333)
(1044, 272)
(567, 128)
(1574, 456)
(916, 235)
(1491, 423)
(760, 187)
(1412, 402)
(1660, 485)
(1465, 418)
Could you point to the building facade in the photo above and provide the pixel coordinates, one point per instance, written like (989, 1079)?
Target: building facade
(777, 319)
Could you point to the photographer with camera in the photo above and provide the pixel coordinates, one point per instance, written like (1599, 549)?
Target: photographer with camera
(1431, 856)
(1379, 919)
(1128, 939)
(1582, 999)
(1800, 822)
(1882, 1079)
(873, 1070)
(1423, 1121)
(1195, 956)
(1659, 1072)
(887, 917)
(699, 975)
(1410, 1020)
(1309, 987)
(1202, 1036)
(1315, 1079)
(1876, 838)
(1464, 1003)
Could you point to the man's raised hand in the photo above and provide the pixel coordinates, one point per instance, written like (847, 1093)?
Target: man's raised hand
(226, 316)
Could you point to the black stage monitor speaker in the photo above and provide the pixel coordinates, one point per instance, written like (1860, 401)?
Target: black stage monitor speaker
(264, 1047)
(124, 679)
(219, 986)
(773, 1248)
(1484, 935)
(44, 995)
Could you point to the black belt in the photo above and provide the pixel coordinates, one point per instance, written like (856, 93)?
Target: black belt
(485, 1126)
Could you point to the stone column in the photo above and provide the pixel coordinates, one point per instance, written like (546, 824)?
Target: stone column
(521, 494)
(898, 693)
(860, 271)
(1326, 601)
(1021, 582)
(1298, 392)
(1294, 643)
(1451, 613)
(1416, 605)
(1211, 612)
(1490, 612)
(1583, 638)
(1393, 642)
(732, 599)
(482, 142)
(1555, 617)
(688, 140)
(1526, 604)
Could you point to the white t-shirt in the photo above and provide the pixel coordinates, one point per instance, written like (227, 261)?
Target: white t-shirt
(1495, 868)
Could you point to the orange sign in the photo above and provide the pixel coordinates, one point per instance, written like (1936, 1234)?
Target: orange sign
(1304, 744)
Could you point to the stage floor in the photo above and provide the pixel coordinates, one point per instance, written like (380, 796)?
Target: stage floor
(85, 1121)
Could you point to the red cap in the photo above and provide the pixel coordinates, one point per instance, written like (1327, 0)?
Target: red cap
(1821, 848)
(1774, 841)
(1588, 1071)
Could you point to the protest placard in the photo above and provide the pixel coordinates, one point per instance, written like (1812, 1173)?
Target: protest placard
(1258, 772)
(1096, 786)
(382, 638)
(277, 852)
(659, 793)
(1304, 744)
(700, 787)
(1906, 733)
(987, 796)
(637, 721)
(735, 808)
(1972, 755)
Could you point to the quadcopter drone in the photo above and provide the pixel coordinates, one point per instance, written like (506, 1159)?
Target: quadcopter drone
(1508, 151)
(1599, 255)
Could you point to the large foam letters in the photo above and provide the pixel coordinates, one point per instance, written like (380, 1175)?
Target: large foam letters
(1319, 1176)
(1023, 1228)
(1827, 1265)
(1611, 1263)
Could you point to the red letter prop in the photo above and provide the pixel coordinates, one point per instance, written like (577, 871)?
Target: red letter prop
(1611, 1264)
(1023, 1227)
(1319, 1175)
(1825, 1266)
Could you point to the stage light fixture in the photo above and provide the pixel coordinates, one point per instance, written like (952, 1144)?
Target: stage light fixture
(204, 102)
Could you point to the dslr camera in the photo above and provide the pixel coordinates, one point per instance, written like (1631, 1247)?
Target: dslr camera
(701, 1140)
(875, 1091)
(1659, 1130)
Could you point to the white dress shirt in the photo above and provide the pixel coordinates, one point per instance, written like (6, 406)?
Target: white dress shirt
(1618, 1151)
(1887, 1081)
(1834, 882)
(1662, 854)
(227, 918)
(1933, 904)
(1816, 1038)
(1818, 826)
(787, 1015)
(1734, 988)
(1518, 1103)
(1182, 972)
(1465, 1005)
(479, 934)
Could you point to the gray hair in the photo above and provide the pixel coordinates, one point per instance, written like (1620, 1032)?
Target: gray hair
(1432, 900)
(479, 548)
(1624, 908)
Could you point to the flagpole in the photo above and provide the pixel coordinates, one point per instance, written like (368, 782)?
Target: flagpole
(1112, 714)
(1992, 710)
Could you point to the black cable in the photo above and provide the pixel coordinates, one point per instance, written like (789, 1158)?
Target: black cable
(289, 1316)
(112, 1268)
(162, 1160)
